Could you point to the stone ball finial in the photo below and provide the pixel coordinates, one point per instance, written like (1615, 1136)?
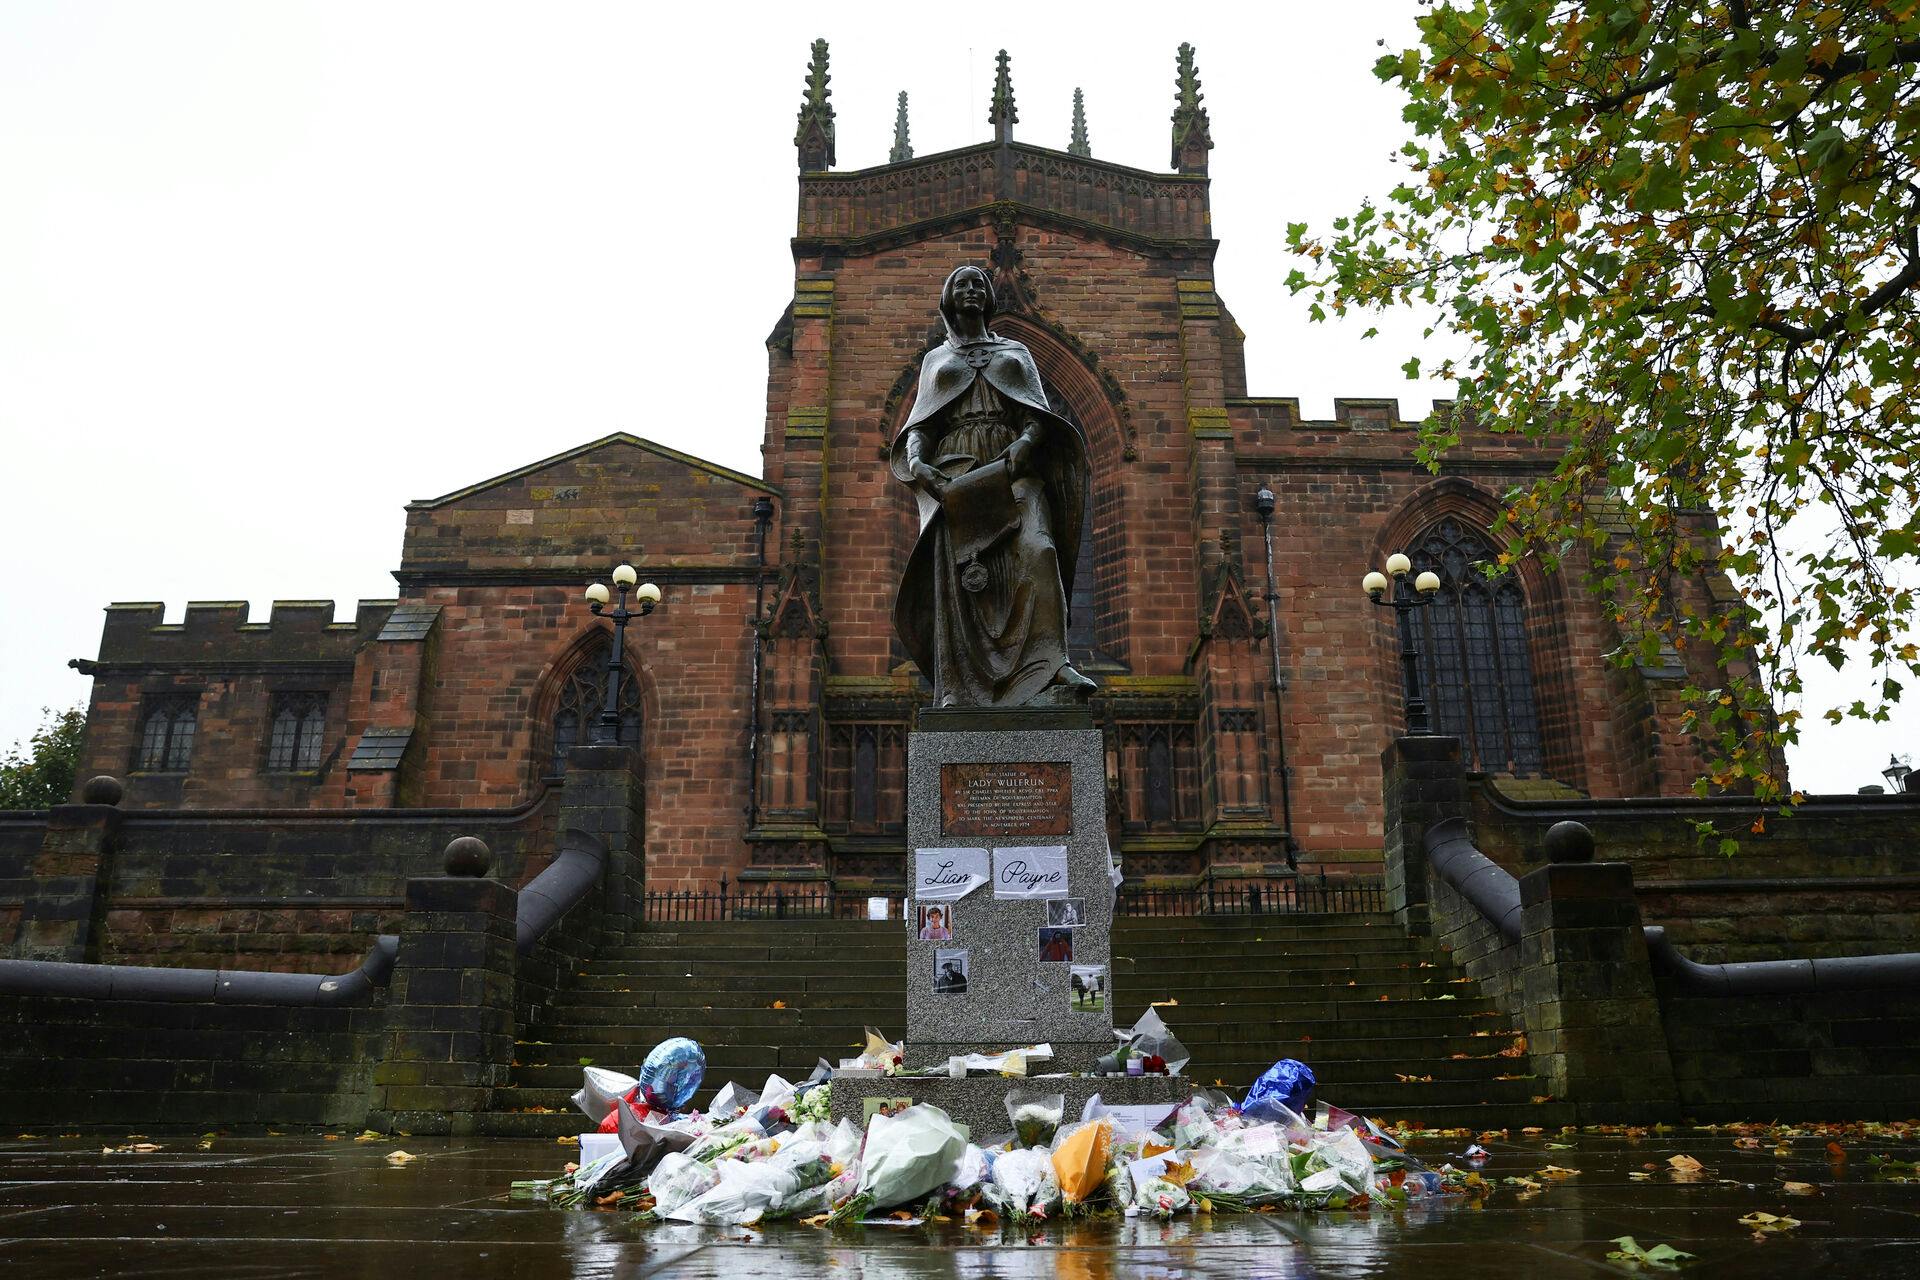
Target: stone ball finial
(468, 856)
(1569, 842)
(105, 789)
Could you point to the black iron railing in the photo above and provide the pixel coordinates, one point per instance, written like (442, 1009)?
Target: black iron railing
(1288, 895)
(1278, 895)
(775, 902)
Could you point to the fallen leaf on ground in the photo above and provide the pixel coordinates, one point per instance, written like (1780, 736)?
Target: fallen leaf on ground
(1640, 1175)
(1768, 1222)
(1161, 1004)
(1412, 1079)
(1558, 1174)
(1800, 1189)
(1837, 1151)
(1662, 1257)
(817, 1220)
(400, 1157)
(1514, 1050)
(566, 1140)
(1685, 1162)
(779, 1004)
(1747, 1144)
(369, 1135)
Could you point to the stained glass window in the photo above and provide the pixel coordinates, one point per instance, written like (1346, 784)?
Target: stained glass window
(583, 698)
(1475, 663)
(296, 731)
(166, 733)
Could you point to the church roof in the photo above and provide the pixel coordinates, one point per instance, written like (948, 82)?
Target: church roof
(617, 438)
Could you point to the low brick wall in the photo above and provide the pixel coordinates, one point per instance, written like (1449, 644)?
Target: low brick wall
(93, 1063)
(1831, 1055)
(287, 892)
(1839, 877)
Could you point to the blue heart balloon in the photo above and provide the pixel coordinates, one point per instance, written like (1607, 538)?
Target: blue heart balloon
(671, 1073)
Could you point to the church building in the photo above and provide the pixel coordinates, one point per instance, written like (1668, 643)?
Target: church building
(1246, 685)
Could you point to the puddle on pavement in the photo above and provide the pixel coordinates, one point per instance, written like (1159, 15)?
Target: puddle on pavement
(304, 1206)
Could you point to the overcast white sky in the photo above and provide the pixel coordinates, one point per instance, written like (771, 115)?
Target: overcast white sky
(270, 270)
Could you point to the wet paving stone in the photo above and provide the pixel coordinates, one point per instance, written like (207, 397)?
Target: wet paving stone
(304, 1206)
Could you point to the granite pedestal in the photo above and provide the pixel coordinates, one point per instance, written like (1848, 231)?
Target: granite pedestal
(1009, 781)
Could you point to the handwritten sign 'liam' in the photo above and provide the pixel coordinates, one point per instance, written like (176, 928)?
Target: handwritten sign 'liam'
(944, 875)
(1034, 871)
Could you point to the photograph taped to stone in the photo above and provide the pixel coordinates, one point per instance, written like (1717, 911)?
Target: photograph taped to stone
(1030, 871)
(1066, 913)
(1089, 988)
(945, 875)
(936, 925)
(949, 972)
(1056, 946)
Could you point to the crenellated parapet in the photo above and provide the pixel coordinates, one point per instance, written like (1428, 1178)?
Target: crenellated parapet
(216, 634)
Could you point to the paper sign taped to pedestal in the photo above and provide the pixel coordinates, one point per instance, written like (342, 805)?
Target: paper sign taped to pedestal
(1030, 871)
(945, 875)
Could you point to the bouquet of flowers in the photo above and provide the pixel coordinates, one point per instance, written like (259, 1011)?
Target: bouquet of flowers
(1023, 1185)
(677, 1181)
(1035, 1115)
(1080, 1159)
(907, 1156)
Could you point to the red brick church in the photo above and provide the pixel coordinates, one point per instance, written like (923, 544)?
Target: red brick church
(767, 693)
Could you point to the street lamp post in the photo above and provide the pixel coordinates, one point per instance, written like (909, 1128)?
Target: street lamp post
(1390, 590)
(607, 729)
(1896, 774)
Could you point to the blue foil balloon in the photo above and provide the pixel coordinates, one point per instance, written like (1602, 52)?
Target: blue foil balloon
(1288, 1083)
(671, 1073)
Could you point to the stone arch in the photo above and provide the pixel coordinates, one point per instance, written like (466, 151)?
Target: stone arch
(1544, 620)
(587, 645)
(1081, 395)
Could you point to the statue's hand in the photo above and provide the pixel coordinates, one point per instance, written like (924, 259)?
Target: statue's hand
(930, 480)
(1019, 456)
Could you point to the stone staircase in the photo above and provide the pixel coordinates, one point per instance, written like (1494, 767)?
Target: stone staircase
(759, 995)
(1351, 995)
(764, 996)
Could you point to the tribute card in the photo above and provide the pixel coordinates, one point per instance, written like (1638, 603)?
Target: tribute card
(947, 875)
(1032, 871)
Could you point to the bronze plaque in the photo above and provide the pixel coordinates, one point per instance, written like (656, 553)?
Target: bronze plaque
(1024, 799)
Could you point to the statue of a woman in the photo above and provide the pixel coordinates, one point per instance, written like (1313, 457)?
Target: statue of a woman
(1002, 485)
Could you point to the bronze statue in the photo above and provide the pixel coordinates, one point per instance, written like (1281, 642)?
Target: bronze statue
(1002, 485)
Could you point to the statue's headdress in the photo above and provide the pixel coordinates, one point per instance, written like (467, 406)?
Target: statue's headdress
(946, 292)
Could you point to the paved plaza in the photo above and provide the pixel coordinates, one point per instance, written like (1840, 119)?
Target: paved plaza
(306, 1206)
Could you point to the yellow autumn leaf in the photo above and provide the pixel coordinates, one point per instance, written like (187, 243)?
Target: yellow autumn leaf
(1768, 1222)
(1800, 1189)
(779, 1004)
(1179, 1174)
(397, 1158)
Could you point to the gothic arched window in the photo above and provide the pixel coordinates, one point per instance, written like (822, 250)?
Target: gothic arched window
(166, 733)
(1476, 669)
(1082, 609)
(298, 724)
(582, 699)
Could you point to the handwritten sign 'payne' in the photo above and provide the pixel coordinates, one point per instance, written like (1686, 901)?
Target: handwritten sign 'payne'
(1006, 799)
(1032, 871)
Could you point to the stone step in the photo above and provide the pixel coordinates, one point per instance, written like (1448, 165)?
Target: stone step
(710, 997)
(1473, 1119)
(1215, 1004)
(1302, 922)
(564, 1072)
(776, 984)
(704, 1024)
(816, 952)
(702, 964)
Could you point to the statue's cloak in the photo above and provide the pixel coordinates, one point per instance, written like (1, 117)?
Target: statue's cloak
(1058, 461)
